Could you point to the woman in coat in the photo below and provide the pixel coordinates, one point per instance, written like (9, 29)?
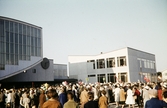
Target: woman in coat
(130, 99)
(122, 96)
(103, 101)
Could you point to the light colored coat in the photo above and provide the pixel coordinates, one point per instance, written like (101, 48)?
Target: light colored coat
(103, 102)
(122, 95)
(70, 104)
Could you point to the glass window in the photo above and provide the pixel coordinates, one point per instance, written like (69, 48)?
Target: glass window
(20, 29)
(28, 30)
(32, 51)
(24, 50)
(32, 41)
(2, 38)
(12, 59)
(1, 28)
(20, 57)
(11, 26)
(31, 31)
(7, 59)
(39, 42)
(112, 77)
(20, 39)
(7, 48)
(101, 78)
(100, 63)
(28, 40)
(39, 33)
(16, 60)
(20, 49)
(24, 29)
(11, 48)
(28, 50)
(93, 61)
(7, 26)
(2, 47)
(11, 37)
(36, 32)
(24, 39)
(35, 41)
(110, 62)
(16, 38)
(16, 48)
(121, 61)
(16, 27)
(39, 52)
(7, 36)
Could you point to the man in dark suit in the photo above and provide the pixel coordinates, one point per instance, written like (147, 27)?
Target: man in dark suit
(91, 103)
(154, 102)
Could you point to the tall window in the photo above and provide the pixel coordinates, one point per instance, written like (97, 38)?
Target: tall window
(121, 61)
(111, 77)
(100, 63)
(110, 62)
(93, 61)
(101, 78)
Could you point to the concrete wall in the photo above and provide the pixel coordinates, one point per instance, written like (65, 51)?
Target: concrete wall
(29, 76)
(11, 70)
(60, 71)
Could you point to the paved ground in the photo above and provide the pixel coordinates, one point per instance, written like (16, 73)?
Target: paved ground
(112, 105)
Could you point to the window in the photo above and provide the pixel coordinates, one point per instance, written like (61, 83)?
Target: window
(121, 61)
(91, 75)
(110, 62)
(101, 78)
(111, 77)
(100, 63)
(34, 71)
(93, 61)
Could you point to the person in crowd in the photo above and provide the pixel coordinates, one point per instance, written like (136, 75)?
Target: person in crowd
(42, 98)
(137, 94)
(130, 99)
(122, 96)
(21, 103)
(63, 96)
(159, 90)
(70, 103)
(145, 94)
(91, 103)
(103, 101)
(117, 95)
(83, 97)
(26, 102)
(154, 102)
(1, 99)
(53, 101)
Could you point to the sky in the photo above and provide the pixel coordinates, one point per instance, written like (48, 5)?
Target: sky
(88, 27)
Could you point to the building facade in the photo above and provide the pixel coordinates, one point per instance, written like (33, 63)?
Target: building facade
(124, 65)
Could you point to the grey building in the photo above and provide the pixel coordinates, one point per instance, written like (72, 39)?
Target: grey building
(126, 64)
(21, 54)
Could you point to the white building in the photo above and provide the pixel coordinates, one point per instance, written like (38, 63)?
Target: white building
(127, 65)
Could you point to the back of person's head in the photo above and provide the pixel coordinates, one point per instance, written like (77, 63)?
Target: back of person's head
(70, 95)
(165, 94)
(116, 86)
(90, 95)
(53, 93)
(103, 92)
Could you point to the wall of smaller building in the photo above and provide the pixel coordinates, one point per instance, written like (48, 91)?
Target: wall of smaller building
(35, 74)
(60, 71)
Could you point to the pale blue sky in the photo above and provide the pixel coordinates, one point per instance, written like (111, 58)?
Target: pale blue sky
(88, 27)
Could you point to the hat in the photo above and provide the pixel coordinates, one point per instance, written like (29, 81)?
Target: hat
(153, 92)
(146, 87)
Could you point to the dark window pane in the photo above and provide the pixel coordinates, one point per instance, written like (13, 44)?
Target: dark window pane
(28, 40)
(20, 49)
(7, 36)
(39, 33)
(7, 58)
(28, 30)
(32, 51)
(24, 50)
(16, 27)
(12, 59)
(39, 42)
(1, 28)
(16, 60)
(24, 29)
(20, 29)
(36, 32)
(35, 41)
(11, 26)
(20, 57)
(11, 38)
(7, 25)
(24, 39)
(16, 48)
(16, 38)
(20, 39)
(32, 41)
(7, 48)
(31, 31)
(12, 48)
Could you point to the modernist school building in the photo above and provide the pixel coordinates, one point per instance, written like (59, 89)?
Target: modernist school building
(123, 65)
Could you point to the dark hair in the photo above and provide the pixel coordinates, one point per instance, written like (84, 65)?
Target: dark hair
(165, 94)
(70, 94)
(90, 95)
(116, 86)
(103, 92)
(53, 93)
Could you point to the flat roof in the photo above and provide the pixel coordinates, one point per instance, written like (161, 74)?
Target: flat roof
(12, 19)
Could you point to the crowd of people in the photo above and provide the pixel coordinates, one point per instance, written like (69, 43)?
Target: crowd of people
(81, 95)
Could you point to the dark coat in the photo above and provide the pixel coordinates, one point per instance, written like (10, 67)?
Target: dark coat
(91, 104)
(63, 98)
(155, 103)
